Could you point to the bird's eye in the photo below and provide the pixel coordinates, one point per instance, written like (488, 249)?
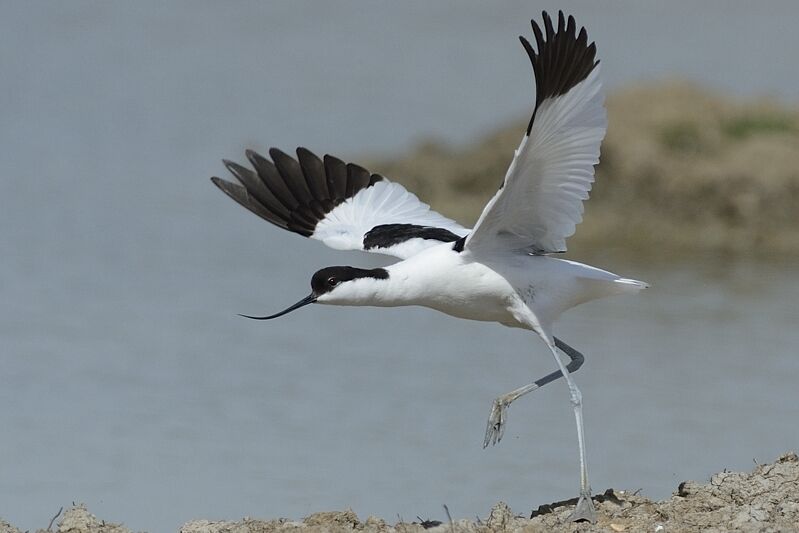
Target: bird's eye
(332, 281)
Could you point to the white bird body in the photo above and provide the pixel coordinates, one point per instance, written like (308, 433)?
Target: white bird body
(508, 289)
(499, 271)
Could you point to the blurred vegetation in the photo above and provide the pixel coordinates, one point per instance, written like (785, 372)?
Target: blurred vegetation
(682, 170)
(746, 125)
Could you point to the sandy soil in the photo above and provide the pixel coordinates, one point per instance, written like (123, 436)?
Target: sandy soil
(764, 500)
(682, 169)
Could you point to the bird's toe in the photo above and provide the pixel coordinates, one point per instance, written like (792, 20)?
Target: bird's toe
(584, 511)
(495, 427)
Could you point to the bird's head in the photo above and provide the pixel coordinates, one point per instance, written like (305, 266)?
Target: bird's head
(338, 285)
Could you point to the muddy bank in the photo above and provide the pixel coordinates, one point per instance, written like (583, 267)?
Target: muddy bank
(766, 499)
(682, 169)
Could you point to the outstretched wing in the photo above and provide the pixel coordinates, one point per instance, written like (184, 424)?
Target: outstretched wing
(541, 198)
(342, 205)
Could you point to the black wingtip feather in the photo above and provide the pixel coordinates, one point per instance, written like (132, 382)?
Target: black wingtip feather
(294, 194)
(290, 169)
(243, 198)
(357, 178)
(562, 59)
(314, 171)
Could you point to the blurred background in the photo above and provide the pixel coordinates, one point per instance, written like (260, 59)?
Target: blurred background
(128, 382)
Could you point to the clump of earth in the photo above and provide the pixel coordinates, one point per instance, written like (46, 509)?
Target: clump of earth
(763, 500)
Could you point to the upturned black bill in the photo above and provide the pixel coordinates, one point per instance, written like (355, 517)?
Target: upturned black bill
(305, 301)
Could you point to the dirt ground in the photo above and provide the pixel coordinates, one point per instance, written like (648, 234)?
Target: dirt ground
(764, 500)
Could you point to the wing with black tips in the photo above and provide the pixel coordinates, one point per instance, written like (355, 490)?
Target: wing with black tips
(343, 205)
(541, 198)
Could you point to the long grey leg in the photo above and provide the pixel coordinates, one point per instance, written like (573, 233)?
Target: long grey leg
(495, 428)
(577, 360)
(585, 507)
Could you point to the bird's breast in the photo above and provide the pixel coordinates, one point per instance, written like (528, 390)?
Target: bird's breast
(471, 291)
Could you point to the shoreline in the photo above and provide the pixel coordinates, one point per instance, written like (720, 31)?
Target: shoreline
(765, 499)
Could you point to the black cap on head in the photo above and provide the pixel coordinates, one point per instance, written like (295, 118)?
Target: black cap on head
(326, 279)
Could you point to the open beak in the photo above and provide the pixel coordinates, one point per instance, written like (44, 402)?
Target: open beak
(305, 301)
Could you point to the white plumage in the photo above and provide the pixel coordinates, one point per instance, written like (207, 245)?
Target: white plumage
(541, 200)
(500, 271)
(383, 203)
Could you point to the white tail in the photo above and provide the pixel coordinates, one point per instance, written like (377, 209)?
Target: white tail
(631, 285)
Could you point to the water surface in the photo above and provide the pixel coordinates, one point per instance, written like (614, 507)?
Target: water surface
(128, 382)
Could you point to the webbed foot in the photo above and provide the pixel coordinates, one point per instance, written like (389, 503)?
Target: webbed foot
(584, 510)
(495, 427)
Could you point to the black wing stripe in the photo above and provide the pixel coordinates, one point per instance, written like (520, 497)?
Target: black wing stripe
(388, 235)
(563, 60)
(294, 194)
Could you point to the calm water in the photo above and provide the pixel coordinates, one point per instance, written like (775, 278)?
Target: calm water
(127, 381)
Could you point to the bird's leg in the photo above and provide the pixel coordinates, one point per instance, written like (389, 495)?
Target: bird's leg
(495, 427)
(585, 507)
